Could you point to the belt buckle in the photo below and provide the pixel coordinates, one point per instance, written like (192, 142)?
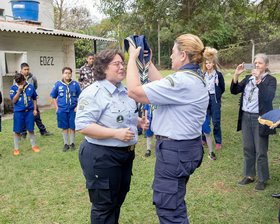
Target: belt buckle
(131, 148)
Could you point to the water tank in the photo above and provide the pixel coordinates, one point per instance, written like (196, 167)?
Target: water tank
(25, 10)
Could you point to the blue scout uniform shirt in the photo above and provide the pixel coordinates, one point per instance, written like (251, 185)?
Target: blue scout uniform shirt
(180, 101)
(66, 94)
(108, 106)
(25, 100)
(150, 109)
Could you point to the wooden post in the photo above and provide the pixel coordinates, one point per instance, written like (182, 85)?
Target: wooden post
(158, 42)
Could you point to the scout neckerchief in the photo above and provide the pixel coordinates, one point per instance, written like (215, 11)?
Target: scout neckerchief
(252, 84)
(142, 63)
(24, 93)
(193, 70)
(68, 96)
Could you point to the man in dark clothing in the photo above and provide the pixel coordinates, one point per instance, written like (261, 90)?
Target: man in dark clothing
(24, 69)
(86, 72)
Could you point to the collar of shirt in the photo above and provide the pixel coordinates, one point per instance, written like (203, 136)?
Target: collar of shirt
(213, 74)
(192, 67)
(62, 80)
(111, 88)
(86, 65)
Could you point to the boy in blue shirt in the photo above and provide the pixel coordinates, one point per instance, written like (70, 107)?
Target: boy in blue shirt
(65, 96)
(24, 98)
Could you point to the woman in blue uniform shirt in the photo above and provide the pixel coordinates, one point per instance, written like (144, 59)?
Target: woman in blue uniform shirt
(108, 118)
(181, 101)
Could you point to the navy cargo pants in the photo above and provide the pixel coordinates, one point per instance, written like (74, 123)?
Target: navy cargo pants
(108, 174)
(175, 162)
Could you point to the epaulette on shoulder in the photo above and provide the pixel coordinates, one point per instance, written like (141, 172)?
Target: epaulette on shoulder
(93, 89)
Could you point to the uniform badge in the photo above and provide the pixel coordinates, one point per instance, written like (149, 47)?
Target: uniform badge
(81, 107)
(170, 80)
(61, 94)
(83, 102)
(74, 93)
(120, 119)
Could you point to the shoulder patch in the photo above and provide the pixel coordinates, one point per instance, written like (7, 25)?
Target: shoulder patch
(170, 80)
(83, 102)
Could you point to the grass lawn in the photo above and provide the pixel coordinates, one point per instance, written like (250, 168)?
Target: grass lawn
(49, 187)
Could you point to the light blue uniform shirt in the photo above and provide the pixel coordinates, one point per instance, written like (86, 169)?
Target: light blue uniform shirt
(251, 96)
(109, 106)
(211, 81)
(180, 101)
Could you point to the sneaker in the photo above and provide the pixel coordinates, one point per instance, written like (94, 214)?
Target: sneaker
(46, 133)
(65, 148)
(245, 181)
(218, 147)
(204, 143)
(72, 147)
(16, 152)
(148, 153)
(23, 135)
(35, 149)
(276, 195)
(212, 156)
(260, 186)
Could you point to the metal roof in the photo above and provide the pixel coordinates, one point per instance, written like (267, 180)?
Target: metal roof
(11, 26)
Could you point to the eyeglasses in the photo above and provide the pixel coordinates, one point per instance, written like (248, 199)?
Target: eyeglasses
(118, 63)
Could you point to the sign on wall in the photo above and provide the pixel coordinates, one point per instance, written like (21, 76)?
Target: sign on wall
(46, 61)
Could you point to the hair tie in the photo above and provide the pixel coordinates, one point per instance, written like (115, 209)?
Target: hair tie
(203, 50)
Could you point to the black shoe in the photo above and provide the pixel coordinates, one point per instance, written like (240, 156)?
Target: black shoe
(23, 135)
(65, 148)
(245, 181)
(212, 156)
(260, 186)
(148, 153)
(72, 147)
(46, 133)
(276, 195)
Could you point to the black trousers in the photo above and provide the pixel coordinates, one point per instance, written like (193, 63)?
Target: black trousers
(38, 122)
(108, 175)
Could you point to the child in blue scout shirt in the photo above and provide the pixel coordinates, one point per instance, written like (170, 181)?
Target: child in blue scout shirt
(24, 98)
(149, 109)
(65, 96)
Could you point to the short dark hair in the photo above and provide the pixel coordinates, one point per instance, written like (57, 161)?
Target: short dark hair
(23, 65)
(19, 78)
(90, 54)
(101, 62)
(66, 68)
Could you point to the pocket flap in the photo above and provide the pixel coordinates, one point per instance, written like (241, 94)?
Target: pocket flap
(98, 183)
(165, 185)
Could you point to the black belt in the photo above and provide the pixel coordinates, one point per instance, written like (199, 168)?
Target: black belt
(127, 148)
(159, 137)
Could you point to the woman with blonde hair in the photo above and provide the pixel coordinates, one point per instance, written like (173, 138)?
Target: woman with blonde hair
(216, 87)
(180, 101)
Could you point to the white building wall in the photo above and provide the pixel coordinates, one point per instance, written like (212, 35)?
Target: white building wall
(46, 56)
